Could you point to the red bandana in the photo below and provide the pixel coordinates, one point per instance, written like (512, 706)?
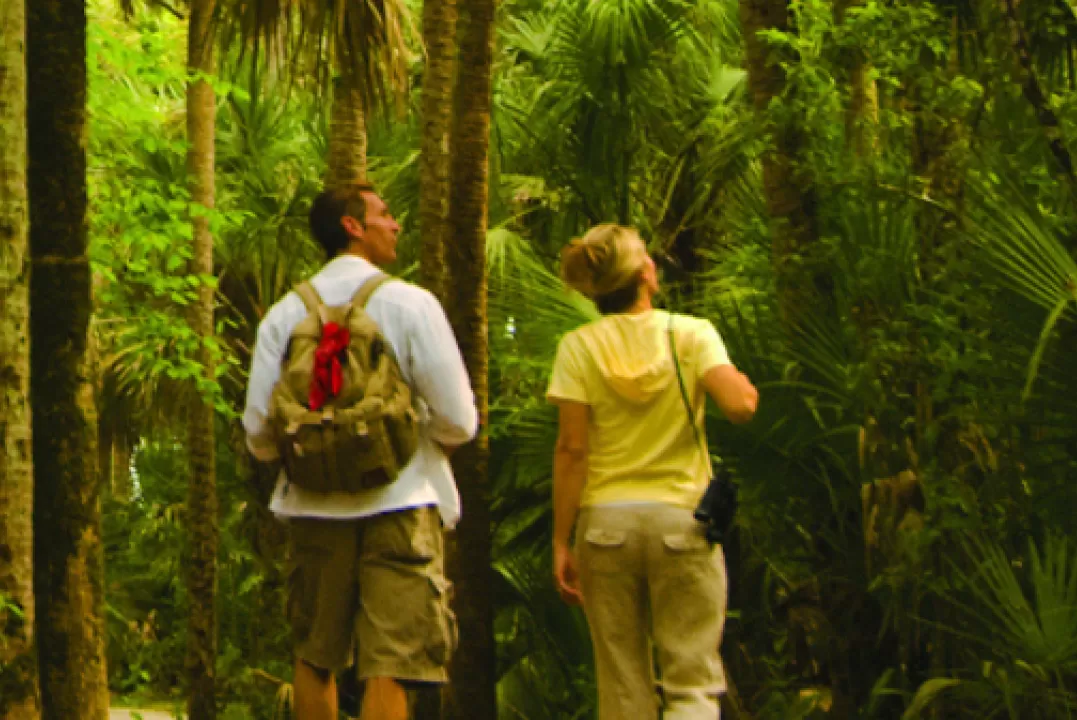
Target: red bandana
(328, 376)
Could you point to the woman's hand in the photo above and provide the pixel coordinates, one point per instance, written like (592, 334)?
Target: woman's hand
(565, 575)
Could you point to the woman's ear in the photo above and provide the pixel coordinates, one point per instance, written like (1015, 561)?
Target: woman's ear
(648, 275)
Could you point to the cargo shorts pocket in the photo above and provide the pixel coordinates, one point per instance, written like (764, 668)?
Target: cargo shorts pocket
(302, 585)
(601, 551)
(694, 565)
(686, 542)
(444, 632)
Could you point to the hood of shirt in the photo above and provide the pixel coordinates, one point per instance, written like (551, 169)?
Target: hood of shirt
(631, 351)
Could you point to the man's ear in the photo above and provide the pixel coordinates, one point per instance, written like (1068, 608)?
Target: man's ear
(352, 226)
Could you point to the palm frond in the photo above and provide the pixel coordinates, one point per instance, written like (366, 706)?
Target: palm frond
(365, 38)
(1040, 626)
(1026, 254)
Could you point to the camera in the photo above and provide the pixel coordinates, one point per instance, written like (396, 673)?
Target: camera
(718, 506)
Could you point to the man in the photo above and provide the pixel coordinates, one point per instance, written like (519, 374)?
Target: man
(366, 576)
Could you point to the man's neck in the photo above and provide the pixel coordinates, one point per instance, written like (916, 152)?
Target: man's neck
(351, 251)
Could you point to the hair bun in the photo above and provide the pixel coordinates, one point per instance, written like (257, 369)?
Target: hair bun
(578, 266)
(608, 257)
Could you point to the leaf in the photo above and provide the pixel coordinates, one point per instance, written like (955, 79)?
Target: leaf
(1041, 345)
(926, 694)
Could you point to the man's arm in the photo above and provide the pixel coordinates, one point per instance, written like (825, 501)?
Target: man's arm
(440, 377)
(265, 371)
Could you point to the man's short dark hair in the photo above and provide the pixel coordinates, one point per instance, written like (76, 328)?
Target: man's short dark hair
(330, 207)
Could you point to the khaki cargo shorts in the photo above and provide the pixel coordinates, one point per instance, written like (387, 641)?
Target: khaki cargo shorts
(373, 590)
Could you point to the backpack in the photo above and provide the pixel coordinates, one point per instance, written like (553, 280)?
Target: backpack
(341, 411)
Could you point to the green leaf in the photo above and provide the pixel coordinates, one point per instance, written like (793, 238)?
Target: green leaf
(926, 694)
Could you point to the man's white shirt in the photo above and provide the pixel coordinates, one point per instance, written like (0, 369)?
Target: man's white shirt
(414, 324)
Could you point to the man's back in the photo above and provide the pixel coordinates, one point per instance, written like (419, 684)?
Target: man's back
(414, 324)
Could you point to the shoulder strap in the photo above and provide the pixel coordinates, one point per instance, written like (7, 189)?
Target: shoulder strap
(362, 295)
(310, 297)
(684, 397)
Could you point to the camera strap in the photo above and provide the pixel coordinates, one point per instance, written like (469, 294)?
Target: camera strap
(687, 403)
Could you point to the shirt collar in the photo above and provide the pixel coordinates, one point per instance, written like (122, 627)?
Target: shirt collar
(346, 263)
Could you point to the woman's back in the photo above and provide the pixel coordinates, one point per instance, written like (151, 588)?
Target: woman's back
(640, 446)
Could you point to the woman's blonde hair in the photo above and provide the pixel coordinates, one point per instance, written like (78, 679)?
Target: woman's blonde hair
(607, 258)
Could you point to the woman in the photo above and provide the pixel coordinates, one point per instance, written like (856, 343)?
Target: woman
(628, 472)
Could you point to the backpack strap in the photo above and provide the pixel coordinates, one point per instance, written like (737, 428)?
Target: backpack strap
(310, 297)
(362, 295)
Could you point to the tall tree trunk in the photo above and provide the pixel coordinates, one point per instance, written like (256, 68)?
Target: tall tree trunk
(68, 574)
(18, 669)
(439, 36)
(790, 196)
(862, 114)
(347, 131)
(202, 529)
(473, 690)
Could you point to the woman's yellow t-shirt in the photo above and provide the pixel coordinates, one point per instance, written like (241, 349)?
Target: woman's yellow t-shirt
(641, 447)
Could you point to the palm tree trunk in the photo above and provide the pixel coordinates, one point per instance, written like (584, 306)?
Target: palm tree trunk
(347, 131)
(67, 517)
(202, 489)
(18, 669)
(790, 195)
(473, 689)
(439, 36)
(862, 117)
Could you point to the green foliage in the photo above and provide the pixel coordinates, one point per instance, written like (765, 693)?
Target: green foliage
(147, 603)
(140, 232)
(944, 236)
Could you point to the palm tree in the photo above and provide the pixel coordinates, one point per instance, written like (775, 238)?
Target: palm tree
(347, 132)
(362, 42)
(203, 533)
(439, 39)
(16, 464)
(67, 549)
(474, 667)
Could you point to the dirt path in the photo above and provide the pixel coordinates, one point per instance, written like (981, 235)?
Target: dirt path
(128, 714)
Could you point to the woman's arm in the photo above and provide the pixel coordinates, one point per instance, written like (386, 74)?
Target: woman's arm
(737, 398)
(569, 475)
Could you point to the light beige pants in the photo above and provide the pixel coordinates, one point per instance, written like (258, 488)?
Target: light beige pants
(654, 592)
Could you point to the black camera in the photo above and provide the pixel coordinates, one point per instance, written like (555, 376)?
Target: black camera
(718, 506)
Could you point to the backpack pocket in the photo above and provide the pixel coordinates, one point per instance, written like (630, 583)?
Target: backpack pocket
(339, 455)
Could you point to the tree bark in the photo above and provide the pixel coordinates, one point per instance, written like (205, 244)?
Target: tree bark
(439, 37)
(790, 195)
(472, 693)
(202, 530)
(68, 575)
(18, 670)
(862, 118)
(862, 115)
(347, 131)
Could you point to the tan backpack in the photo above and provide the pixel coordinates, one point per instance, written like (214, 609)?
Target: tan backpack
(353, 427)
